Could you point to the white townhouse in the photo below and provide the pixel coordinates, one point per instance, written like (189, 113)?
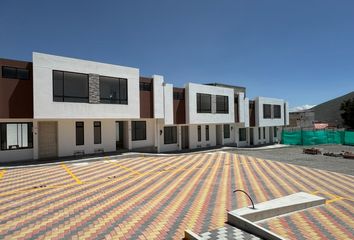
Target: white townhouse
(57, 106)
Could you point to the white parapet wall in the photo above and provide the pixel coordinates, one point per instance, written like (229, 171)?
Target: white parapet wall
(267, 122)
(46, 108)
(192, 117)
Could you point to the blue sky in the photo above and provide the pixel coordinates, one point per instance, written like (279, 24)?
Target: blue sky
(302, 50)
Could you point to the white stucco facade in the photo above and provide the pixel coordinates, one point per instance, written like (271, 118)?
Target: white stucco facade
(116, 120)
(44, 106)
(192, 117)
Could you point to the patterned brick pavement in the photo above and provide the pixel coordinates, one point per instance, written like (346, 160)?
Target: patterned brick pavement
(159, 197)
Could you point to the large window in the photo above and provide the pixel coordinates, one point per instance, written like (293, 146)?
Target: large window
(97, 132)
(226, 131)
(70, 87)
(276, 110)
(199, 133)
(267, 112)
(16, 136)
(242, 134)
(222, 104)
(203, 103)
(15, 73)
(113, 90)
(170, 135)
(138, 130)
(207, 133)
(80, 136)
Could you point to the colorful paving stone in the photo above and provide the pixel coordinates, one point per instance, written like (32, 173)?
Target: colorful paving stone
(159, 197)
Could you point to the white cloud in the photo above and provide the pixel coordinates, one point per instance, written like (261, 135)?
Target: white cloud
(301, 108)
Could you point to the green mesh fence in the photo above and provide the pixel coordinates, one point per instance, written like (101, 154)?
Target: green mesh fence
(314, 137)
(349, 138)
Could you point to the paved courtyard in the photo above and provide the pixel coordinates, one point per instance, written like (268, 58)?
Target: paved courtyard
(151, 197)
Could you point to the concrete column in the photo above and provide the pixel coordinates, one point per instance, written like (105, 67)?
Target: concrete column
(94, 88)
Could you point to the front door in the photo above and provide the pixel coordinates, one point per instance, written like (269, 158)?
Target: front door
(185, 137)
(47, 140)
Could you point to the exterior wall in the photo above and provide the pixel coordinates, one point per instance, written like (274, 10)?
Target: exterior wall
(168, 106)
(168, 147)
(16, 96)
(158, 86)
(260, 121)
(46, 108)
(67, 137)
(193, 136)
(232, 138)
(287, 118)
(150, 136)
(192, 117)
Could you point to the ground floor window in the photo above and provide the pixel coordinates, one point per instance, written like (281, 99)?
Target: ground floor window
(207, 133)
(97, 132)
(226, 131)
(259, 133)
(170, 135)
(80, 138)
(275, 131)
(264, 132)
(138, 130)
(199, 133)
(16, 135)
(242, 134)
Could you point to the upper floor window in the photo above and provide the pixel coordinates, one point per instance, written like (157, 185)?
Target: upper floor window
(144, 86)
(222, 104)
(113, 90)
(267, 112)
(15, 73)
(70, 87)
(277, 111)
(178, 95)
(203, 103)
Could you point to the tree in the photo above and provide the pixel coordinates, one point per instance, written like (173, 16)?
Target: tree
(348, 115)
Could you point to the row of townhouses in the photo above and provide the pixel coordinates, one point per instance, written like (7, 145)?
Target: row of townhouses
(56, 106)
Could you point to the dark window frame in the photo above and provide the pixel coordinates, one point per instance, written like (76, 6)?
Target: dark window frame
(119, 99)
(3, 135)
(78, 126)
(275, 132)
(63, 97)
(170, 135)
(264, 133)
(207, 137)
(135, 128)
(16, 75)
(178, 96)
(200, 106)
(227, 131)
(222, 104)
(199, 133)
(144, 86)
(274, 115)
(267, 111)
(97, 139)
(242, 134)
(259, 133)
